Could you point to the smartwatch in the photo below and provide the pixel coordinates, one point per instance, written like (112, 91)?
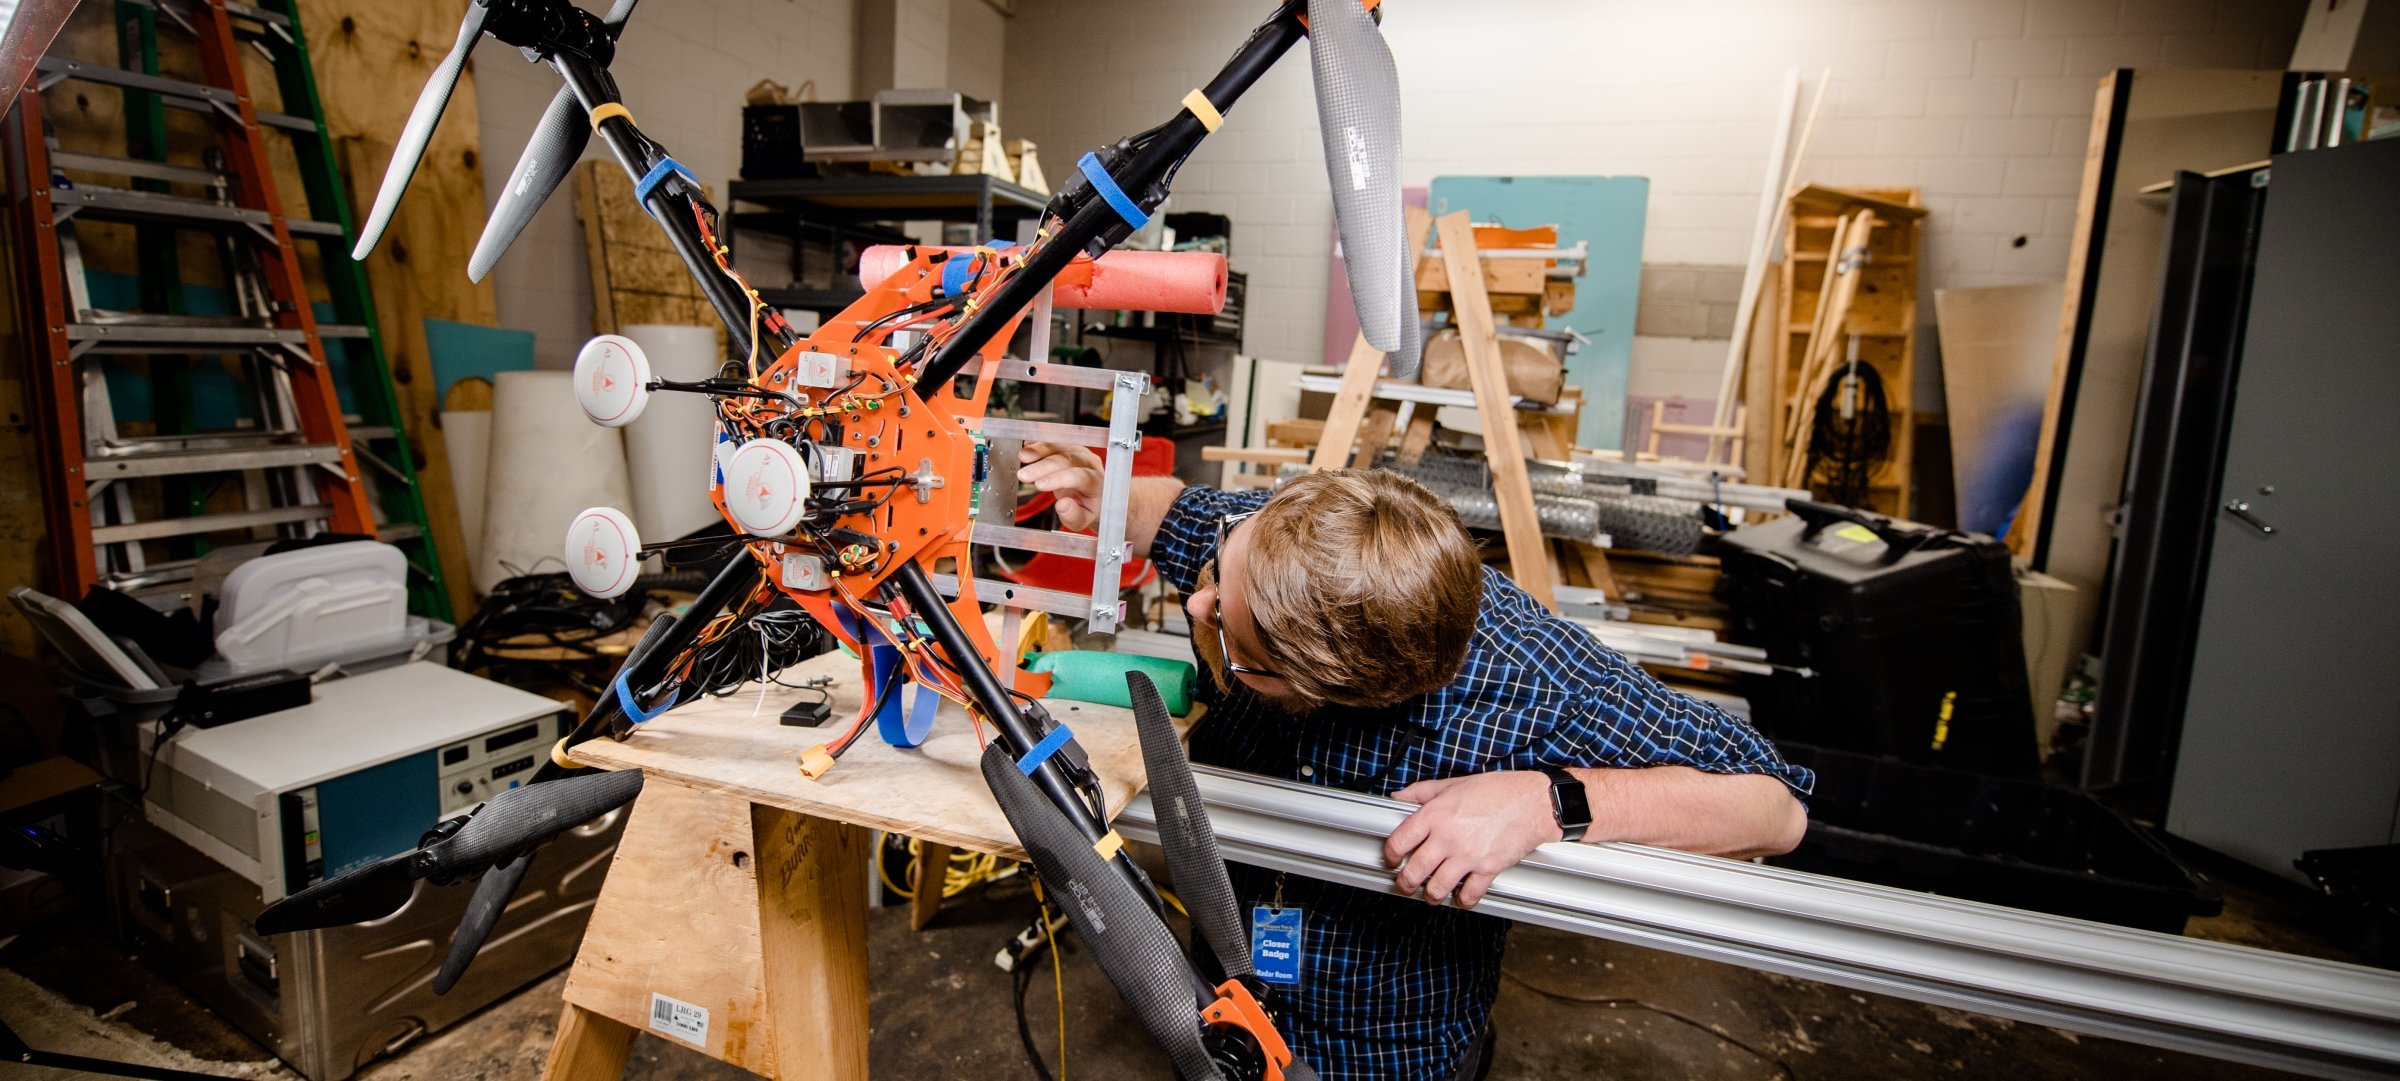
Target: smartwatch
(1568, 803)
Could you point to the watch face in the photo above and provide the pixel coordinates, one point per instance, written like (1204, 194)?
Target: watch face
(1573, 810)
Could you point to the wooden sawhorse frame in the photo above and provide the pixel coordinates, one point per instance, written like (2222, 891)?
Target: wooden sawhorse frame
(734, 919)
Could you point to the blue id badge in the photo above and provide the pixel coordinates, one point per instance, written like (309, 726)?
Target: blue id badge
(1275, 944)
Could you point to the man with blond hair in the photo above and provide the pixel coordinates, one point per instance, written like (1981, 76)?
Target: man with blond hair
(1356, 640)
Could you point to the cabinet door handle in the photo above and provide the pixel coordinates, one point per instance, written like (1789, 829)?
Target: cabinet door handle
(2240, 508)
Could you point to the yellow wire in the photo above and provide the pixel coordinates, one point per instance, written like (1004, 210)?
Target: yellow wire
(1058, 977)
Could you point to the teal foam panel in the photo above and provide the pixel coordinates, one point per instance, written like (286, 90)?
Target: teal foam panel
(1608, 212)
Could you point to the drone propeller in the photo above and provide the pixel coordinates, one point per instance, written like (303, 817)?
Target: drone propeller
(556, 145)
(419, 130)
(1184, 832)
(507, 827)
(1358, 113)
(491, 898)
(1134, 949)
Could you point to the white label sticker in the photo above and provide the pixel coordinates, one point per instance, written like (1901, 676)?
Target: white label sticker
(1361, 170)
(679, 1019)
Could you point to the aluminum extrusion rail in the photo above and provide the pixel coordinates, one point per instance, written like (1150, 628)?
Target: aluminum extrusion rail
(2291, 1013)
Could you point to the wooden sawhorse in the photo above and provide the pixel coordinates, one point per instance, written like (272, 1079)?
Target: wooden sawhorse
(734, 919)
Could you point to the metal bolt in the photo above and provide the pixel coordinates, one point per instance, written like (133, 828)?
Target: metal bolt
(2266, 489)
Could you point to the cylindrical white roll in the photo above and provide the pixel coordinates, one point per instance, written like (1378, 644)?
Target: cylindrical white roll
(548, 462)
(667, 448)
(467, 435)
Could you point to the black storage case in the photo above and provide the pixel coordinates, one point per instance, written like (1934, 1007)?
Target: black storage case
(771, 148)
(2023, 844)
(1911, 633)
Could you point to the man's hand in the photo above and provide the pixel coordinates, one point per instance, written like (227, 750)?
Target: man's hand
(1070, 473)
(1467, 830)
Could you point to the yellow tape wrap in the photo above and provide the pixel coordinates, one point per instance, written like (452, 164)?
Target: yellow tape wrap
(1107, 846)
(1200, 107)
(615, 108)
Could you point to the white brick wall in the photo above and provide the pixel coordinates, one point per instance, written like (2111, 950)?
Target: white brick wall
(1984, 103)
(683, 66)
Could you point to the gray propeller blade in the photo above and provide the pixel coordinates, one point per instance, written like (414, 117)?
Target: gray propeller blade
(1184, 832)
(483, 911)
(507, 826)
(556, 145)
(1358, 113)
(1134, 949)
(419, 131)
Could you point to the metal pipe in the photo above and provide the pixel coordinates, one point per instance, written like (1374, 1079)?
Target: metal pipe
(2233, 1002)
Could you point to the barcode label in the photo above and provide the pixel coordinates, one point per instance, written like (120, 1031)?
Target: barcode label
(678, 1018)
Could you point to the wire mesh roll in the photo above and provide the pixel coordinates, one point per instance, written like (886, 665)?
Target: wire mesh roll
(1650, 523)
(1560, 516)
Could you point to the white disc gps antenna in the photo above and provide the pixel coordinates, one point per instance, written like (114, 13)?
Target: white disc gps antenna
(766, 487)
(612, 380)
(603, 552)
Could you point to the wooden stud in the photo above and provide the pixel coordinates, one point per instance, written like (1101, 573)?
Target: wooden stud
(933, 866)
(812, 915)
(2025, 530)
(1417, 439)
(587, 1046)
(1528, 563)
(1759, 415)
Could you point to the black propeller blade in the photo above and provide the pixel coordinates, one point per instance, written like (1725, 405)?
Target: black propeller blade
(1134, 949)
(419, 130)
(556, 145)
(368, 893)
(491, 898)
(1358, 114)
(1184, 832)
(513, 822)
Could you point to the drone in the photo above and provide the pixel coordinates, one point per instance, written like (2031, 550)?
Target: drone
(846, 462)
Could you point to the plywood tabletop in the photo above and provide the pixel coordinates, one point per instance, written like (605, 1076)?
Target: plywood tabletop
(934, 792)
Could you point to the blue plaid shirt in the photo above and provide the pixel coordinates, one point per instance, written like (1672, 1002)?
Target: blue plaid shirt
(1392, 987)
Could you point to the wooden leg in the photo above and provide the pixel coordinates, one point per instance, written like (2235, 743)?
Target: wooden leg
(1419, 437)
(588, 1047)
(1376, 435)
(933, 865)
(812, 936)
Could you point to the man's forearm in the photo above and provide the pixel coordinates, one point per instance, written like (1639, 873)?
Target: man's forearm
(1146, 505)
(1724, 814)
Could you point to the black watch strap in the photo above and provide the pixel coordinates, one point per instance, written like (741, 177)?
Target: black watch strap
(1567, 803)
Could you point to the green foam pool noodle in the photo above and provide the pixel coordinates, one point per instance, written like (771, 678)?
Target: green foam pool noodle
(1090, 675)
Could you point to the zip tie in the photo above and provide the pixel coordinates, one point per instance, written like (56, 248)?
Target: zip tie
(633, 709)
(1199, 105)
(1107, 846)
(1106, 185)
(609, 109)
(1042, 751)
(657, 175)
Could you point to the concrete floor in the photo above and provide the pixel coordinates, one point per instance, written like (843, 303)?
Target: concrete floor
(1571, 1008)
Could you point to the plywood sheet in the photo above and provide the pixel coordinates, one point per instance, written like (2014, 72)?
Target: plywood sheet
(936, 792)
(1997, 344)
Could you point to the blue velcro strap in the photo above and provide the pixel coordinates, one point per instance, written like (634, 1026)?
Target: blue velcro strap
(1106, 185)
(633, 707)
(1042, 751)
(658, 174)
(957, 273)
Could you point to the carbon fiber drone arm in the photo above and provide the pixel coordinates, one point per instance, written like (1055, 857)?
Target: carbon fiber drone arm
(1091, 222)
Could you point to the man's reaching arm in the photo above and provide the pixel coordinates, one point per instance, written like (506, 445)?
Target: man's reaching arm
(1072, 475)
(1469, 829)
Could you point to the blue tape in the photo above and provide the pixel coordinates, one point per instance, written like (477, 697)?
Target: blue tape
(633, 707)
(1042, 751)
(957, 272)
(1106, 185)
(658, 174)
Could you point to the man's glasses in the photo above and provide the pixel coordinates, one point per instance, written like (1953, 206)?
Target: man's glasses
(1225, 529)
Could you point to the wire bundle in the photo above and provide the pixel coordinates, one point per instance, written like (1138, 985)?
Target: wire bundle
(1853, 429)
